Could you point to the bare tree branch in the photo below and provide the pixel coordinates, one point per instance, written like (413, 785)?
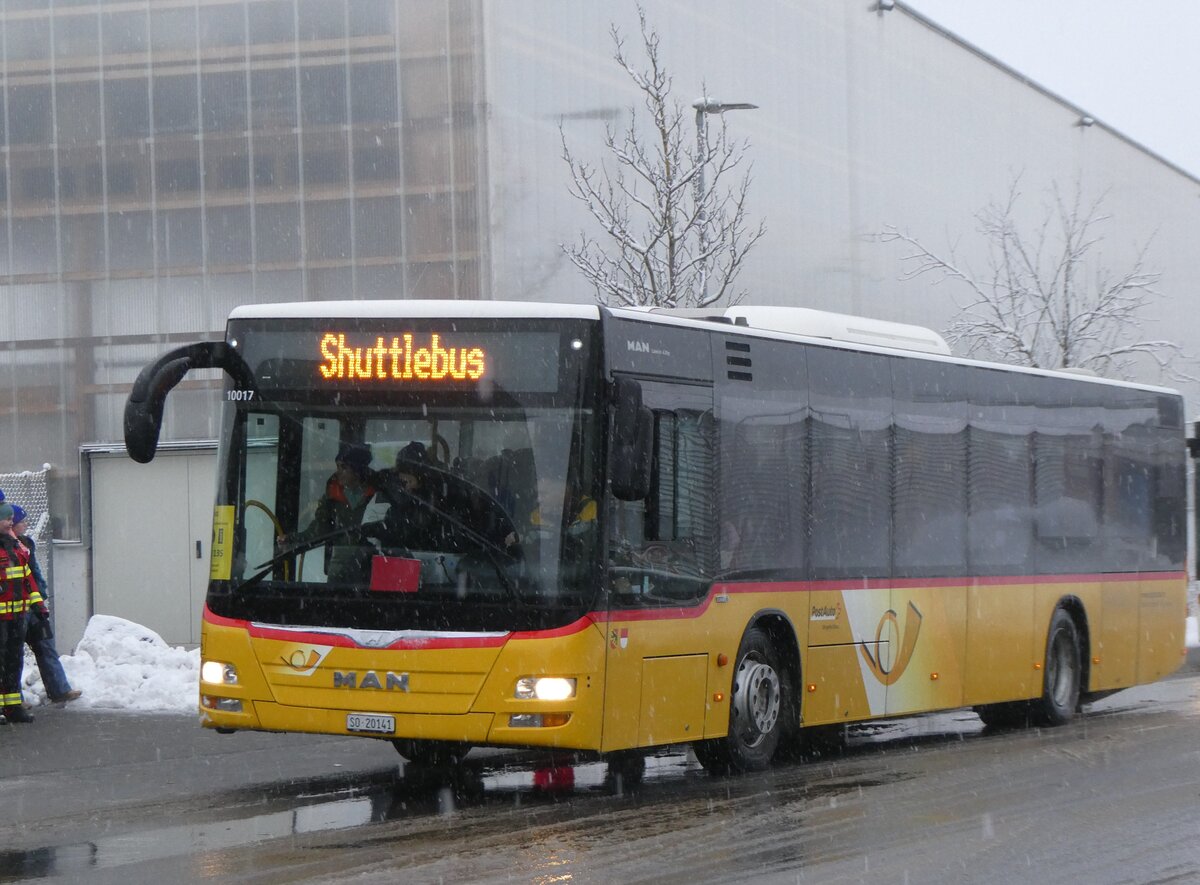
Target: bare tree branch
(663, 243)
(1046, 299)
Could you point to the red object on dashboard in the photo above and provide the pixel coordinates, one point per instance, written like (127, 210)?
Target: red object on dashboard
(395, 574)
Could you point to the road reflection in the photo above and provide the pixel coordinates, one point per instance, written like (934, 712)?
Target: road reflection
(486, 778)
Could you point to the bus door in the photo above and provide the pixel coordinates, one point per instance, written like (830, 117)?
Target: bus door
(662, 555)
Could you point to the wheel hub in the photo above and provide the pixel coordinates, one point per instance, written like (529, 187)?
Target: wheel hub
(756, 699)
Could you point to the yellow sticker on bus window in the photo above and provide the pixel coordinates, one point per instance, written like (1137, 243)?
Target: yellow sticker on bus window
(220, 567)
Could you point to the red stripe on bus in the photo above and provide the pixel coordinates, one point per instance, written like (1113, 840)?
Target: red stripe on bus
(340, 640)
(683, 612)
(577, 626)
(842, 585)
(343, 641)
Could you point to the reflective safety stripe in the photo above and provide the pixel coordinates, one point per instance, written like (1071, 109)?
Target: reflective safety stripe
(11, 700)
(16, 572)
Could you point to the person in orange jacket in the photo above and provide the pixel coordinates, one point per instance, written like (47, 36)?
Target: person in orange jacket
(38, 634)
(339, 513)
(17, 593)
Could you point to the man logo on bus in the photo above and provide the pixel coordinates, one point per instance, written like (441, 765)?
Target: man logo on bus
(890, 673)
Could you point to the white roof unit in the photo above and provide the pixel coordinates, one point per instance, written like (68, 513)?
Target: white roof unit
(418, 309)
(824, 324)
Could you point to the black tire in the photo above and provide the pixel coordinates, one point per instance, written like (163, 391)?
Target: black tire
(1062, 675)
(624, 771)
(757, 699)
(431, 754)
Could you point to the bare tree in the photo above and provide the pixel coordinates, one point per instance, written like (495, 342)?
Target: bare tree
(1046, 299)
(672, 242)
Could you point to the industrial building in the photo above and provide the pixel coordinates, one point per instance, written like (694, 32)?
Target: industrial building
(165, 161)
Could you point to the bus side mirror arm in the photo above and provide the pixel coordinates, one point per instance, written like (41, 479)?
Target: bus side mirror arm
(144, 407)
(633, 442)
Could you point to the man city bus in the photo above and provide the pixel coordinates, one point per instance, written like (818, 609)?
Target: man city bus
(452, 524)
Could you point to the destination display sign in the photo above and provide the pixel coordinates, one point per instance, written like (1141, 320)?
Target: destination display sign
(416, 357)
(403, 358)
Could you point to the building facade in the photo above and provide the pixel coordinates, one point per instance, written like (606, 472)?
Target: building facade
(165, 160)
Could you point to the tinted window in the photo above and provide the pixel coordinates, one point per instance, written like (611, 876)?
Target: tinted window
(764, 462)
(850, 395)
(1068, 479)
(931, 468)
(1000, 476)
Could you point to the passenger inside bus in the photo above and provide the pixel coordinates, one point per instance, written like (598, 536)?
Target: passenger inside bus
(402, 515)
(348, 491)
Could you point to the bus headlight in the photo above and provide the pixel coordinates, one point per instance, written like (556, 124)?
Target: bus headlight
(218, 673)
(545, 688)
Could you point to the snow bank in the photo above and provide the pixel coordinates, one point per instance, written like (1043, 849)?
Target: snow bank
(121, 665)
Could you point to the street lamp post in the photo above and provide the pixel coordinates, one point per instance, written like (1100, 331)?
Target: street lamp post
(705, 106)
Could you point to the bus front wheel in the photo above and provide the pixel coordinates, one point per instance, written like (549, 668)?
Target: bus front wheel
(431, 754)
(756, 700)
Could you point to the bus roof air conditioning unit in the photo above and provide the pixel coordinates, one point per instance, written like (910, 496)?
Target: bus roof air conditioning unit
(839, 326)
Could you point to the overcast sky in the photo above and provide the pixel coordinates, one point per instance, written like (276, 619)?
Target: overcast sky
(1135, 64)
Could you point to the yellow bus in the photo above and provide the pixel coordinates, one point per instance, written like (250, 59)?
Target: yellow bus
(450, 524)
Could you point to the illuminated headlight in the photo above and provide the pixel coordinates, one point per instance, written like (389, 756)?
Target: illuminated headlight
(545, 688)
(218, 673)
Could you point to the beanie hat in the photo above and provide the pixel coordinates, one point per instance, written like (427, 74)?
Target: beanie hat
(414, 451)
(356, 456)
(6, 510)
(18, 513)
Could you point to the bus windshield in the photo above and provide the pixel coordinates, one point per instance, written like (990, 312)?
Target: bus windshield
(462, 511)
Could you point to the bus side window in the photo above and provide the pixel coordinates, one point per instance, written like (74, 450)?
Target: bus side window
(259, 502)
(680, 511)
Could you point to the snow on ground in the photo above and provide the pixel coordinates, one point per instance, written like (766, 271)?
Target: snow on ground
(120, 665)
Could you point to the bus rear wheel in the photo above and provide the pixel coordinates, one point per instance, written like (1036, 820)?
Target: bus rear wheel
(756, 700)
(1063, 671)
(431, 754)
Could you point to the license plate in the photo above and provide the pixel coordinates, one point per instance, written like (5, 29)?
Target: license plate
(371, 722)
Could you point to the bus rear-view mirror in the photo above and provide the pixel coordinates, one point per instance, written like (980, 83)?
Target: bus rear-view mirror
(144, 408)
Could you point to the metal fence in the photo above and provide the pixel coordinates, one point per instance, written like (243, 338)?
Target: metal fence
(28, 488)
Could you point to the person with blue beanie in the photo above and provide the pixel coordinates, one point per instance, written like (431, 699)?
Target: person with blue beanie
(339, 513)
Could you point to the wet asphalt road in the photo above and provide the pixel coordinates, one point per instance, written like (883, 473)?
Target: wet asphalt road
(1113, 797)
